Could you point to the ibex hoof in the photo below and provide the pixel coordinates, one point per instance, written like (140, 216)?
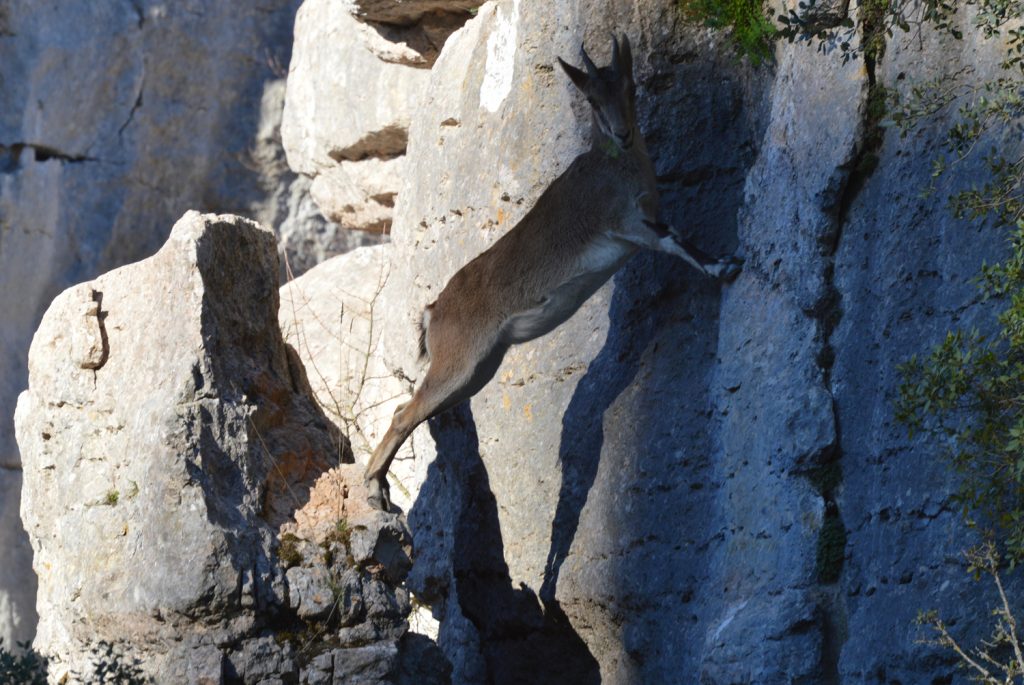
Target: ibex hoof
(727, 268)
(379, 496)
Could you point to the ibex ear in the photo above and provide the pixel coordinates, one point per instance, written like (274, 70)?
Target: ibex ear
(578, 76)
(625, 66)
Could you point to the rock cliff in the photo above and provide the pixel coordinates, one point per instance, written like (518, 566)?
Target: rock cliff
(116, 118)
(686, 482)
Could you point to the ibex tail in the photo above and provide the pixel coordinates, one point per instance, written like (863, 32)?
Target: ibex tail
(424, 325)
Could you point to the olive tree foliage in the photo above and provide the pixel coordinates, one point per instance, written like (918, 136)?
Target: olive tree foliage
(969, 390)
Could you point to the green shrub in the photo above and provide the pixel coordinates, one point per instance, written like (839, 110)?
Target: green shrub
(969, 393)
(748, 21)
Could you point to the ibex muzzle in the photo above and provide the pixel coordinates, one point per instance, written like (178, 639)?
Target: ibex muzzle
(588, 222)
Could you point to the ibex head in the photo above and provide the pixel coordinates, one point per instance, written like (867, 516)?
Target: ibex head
(610, 91)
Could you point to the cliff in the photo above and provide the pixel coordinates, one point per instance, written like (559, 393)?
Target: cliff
(115, 119)
(687, 482)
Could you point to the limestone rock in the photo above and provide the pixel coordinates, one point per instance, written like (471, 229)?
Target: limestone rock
(336, 516)
(333, 316)
(262, 660)
(18, 591)
(371, 665)
(323, 124)
(309, 593)
(360, 194)
(383, 539)
(154, 483)
(353, 88)
(410, 11)
(307, 238)
(109, 130)
(655, 466)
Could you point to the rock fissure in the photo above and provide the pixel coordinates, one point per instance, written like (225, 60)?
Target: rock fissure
(140, 12)
(386, 143)
(137, 105)
(11, 155)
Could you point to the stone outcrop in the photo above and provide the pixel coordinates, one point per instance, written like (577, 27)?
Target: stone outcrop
(117, 117)
(350, 101)
(178, 485)
(682, 459)
(163, 445)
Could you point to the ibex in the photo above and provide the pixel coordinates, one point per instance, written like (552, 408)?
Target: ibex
(587, 223)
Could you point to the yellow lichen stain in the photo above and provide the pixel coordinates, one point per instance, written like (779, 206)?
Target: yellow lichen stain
(506, 401)
(501, 216)
(528, 412)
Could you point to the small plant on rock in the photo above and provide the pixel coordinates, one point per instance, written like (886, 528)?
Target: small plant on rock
(288, 550)
(999, 660)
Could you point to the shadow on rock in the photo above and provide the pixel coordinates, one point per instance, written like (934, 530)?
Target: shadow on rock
(634, 320)
(519, 642)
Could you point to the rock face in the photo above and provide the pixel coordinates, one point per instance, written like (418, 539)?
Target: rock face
(17, 597)
(332, 317)
(178, 491)
(686, 482)
(350, 102)
(162, 446)
(116, 118)
(686, 478)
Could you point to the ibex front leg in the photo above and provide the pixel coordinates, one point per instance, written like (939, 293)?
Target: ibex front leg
(723, 268)
(426, 402)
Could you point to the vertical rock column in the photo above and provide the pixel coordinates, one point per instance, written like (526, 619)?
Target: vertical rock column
(775, 428)
(166, 434)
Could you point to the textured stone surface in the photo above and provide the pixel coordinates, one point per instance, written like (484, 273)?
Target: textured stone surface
(309, 593)
(322, 123)
(409, 11)
(657, 466)
(307, 238)
(333, 317)
(357, 76)
(905, 268)
(157, 471)
(359, 194)
(115, 118)
(389, 545)
(18, 587)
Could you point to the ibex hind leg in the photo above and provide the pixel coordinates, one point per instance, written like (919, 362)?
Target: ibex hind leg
(405, 420)
(443, 387)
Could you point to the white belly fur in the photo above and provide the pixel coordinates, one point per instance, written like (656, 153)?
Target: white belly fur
(597, 264)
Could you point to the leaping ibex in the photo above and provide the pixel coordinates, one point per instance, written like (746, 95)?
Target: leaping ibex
(588, 222)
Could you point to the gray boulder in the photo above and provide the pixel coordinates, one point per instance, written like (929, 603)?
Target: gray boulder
(116, 118)
(166, 434)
